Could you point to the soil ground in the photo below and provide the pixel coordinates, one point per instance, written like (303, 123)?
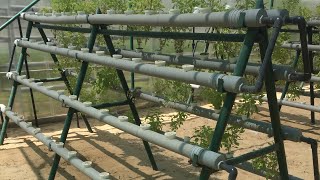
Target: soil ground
(123, 156)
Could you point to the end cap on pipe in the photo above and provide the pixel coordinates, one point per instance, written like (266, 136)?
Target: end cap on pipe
(22, 15)
(253, 17)
(2, 108)
(16, 42)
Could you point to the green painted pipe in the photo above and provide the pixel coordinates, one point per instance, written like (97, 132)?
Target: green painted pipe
(18, 14)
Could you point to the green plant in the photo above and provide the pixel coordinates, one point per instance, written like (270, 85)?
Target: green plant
(172, 90)
(107, 78)
(202, 136)
(177, 120)
(231, 137)
(155, 120)
(248, 105)
(212, 96)
(267, 163)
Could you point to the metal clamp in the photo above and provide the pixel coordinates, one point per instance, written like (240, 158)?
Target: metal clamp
(195, 154)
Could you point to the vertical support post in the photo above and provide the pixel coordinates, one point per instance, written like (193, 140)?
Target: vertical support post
(131, 47)
(71, 111)
(28, 76)
(274, 111)
(230, 98)
(310, 36)
(126, 90)
(15, 84)
(63, 74)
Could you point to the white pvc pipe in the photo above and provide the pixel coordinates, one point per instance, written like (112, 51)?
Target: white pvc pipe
(230, 83)
(232, 19)
(297, 46)
(69, 156)
(205, 157)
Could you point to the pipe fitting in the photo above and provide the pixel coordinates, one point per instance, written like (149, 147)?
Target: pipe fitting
(72, 154)
(145, 126)
(28, 124)
(2, 108)
(10, 75)
(187, 67)
(87, 164)
(117, 56)
(100, 53)
(85, 50)
(123, 118)
(39, 83)
(59, 144)
(137, 60)
(128, 12)
(160, 63)
(104, 111)
(16, 41)
(73, 97)
(87, 104)
(104, 175)
(36, 131)
(170, 135)
(22, 15)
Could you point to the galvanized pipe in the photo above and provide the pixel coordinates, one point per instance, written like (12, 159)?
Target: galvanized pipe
(204, 157)
(230, 83)
(232, 19)
(57, 147)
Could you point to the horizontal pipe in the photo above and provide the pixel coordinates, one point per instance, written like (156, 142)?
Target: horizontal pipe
(152, 34)
(251, 155)
(204, 157)
(314, 22)
(297, 46)
(289, 133)
(281, 72)
(107, 105)
(229, 83)
(232, 19)
(49, 79)
(56, 147)
(296, 105)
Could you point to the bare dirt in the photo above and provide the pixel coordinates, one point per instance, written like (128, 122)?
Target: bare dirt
(123, 156)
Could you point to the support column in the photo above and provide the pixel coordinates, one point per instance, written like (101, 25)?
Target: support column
(80, 79)
(15, 84)
(63, 74)
(130, 102)
(230, 98)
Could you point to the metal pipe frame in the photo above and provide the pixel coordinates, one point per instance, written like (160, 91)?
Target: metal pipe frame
(231, 19)
(204, 157)
(214, 80)
(57, 147)
(297, 46)
(18, 14)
